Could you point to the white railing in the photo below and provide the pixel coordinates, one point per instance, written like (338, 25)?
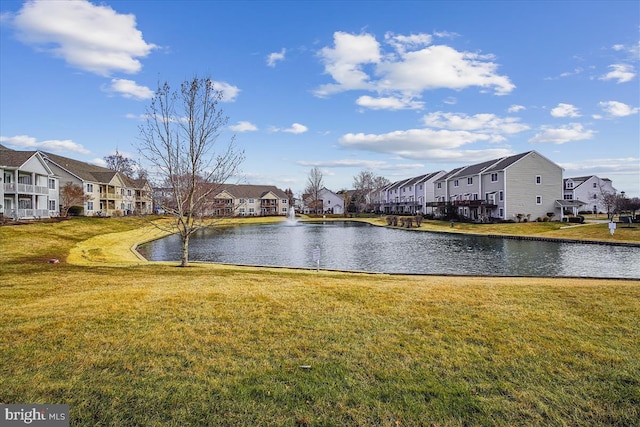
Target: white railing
(27, 213)
(12, 187)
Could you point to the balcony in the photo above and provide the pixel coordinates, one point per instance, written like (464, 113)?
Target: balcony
(20, 188)
(110, 196)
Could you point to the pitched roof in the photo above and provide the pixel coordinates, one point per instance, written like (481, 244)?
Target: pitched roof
(14, 159)
(89, 172)
(505, 162)
(248, 191)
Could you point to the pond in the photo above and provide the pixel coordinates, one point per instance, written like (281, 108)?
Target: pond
(354, 246)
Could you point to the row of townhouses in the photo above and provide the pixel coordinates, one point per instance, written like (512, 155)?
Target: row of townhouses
(526, 185)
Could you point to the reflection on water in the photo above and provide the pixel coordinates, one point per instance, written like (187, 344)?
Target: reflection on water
(362, 247)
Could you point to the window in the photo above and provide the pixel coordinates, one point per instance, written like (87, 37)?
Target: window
(241, 210)
(89, 206)
(52, 184)
(501, 195)
(241, 201)
(128, 192)
(501, 213)
(470, 180)
(252, 201)
(595, 185)
(538, 200)
(284, 202)
(595, 196)
(252, 211)
(439, 185)
(52, 205)
(455, 183)
(475, 196)
(569, 185)
(568, 196)
(420, 187)
(90, 188)
(494, 178)
(538, 179)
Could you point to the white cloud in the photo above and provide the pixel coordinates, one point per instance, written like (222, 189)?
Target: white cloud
(565, 110)
(243, 126)
(89, 37)
(376, 165)
(389, 103)
(595, 166)
(617, 109)
(130, 89)
(485, 123)
(274, 57)
(516, 108)
(295, 128)
(412, 143)
(401, 43)
(56, 145)
(621, 72)
(358, 62)
(229, 92)
(571, 132)
(98, 161)
(345, 60)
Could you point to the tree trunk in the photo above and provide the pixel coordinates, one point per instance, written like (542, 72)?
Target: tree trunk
(185, 252)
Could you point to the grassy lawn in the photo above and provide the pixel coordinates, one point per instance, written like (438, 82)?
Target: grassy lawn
(125, 342)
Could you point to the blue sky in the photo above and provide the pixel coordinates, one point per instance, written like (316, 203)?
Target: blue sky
(400, 88)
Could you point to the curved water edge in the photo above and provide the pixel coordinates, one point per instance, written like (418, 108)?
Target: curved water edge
(357, 246)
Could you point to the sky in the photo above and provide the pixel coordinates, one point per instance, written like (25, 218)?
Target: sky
(398, 88)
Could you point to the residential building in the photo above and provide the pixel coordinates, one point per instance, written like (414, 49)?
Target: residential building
(590, 190)
(110, 193)
(409, 196)
(526, 185)
(249, 200)
(328, 202)
(29, 188)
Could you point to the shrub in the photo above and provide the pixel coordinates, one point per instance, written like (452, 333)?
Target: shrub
(75, 211)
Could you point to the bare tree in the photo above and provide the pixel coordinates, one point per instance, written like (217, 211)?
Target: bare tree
(315, 183)
(119, 163)
(179, 139)
(633, 205)
(71, 195)
(362, 184)
(365, 184)
(129, 167)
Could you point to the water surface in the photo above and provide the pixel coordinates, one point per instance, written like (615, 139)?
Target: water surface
(355, 246)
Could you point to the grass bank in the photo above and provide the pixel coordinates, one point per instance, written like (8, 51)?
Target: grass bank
(132, 343)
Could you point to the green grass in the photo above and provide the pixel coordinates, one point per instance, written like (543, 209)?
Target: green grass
(153, 344)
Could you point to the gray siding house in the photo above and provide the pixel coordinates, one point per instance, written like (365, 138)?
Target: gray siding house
(526, 185)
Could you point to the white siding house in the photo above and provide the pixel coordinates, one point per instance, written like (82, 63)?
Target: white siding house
(590, 190)
(28, 187)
